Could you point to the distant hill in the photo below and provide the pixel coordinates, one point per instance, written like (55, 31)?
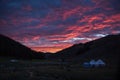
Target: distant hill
(11, 48)
(107, 48)
(70, 52)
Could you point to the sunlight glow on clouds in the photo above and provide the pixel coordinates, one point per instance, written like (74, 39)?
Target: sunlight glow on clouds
(52, 25)
(101, 35)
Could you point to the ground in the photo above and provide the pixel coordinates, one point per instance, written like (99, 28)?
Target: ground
(46, 70)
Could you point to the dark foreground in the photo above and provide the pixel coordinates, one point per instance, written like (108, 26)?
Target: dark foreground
(26, 70)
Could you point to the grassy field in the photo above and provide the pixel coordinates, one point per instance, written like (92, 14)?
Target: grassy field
(32, 70)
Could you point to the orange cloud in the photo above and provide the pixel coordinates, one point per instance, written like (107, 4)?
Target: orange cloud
(50, 49)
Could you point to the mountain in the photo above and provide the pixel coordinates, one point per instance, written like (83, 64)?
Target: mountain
(107, 48)
(71, 51)
(11, 48)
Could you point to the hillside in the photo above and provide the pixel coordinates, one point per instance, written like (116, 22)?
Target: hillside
(11, 48)
(107, 48)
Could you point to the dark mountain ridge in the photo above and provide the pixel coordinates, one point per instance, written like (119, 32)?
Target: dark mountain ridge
(106, 47)
(11, 48)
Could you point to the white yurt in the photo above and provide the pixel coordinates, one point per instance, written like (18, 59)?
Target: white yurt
(100, 62)
(92, 62)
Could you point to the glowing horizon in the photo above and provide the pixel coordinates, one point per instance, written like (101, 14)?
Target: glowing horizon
(52, 25)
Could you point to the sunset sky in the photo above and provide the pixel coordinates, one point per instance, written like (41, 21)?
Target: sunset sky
(52, 25)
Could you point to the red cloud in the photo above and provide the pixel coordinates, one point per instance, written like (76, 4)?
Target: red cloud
(72, 21)
(69, 13)
(113, 18)
(36, 38)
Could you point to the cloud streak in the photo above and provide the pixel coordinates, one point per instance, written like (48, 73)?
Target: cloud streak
(50, 26)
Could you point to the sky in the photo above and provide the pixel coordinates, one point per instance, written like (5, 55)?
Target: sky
(53, 25)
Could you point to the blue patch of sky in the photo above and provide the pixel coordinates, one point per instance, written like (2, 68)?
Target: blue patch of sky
(33, 23)
(115, 4)
(45, 3)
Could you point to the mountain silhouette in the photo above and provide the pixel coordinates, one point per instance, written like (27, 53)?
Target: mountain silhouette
(71, 51)
(106, 48)
(11, 48)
